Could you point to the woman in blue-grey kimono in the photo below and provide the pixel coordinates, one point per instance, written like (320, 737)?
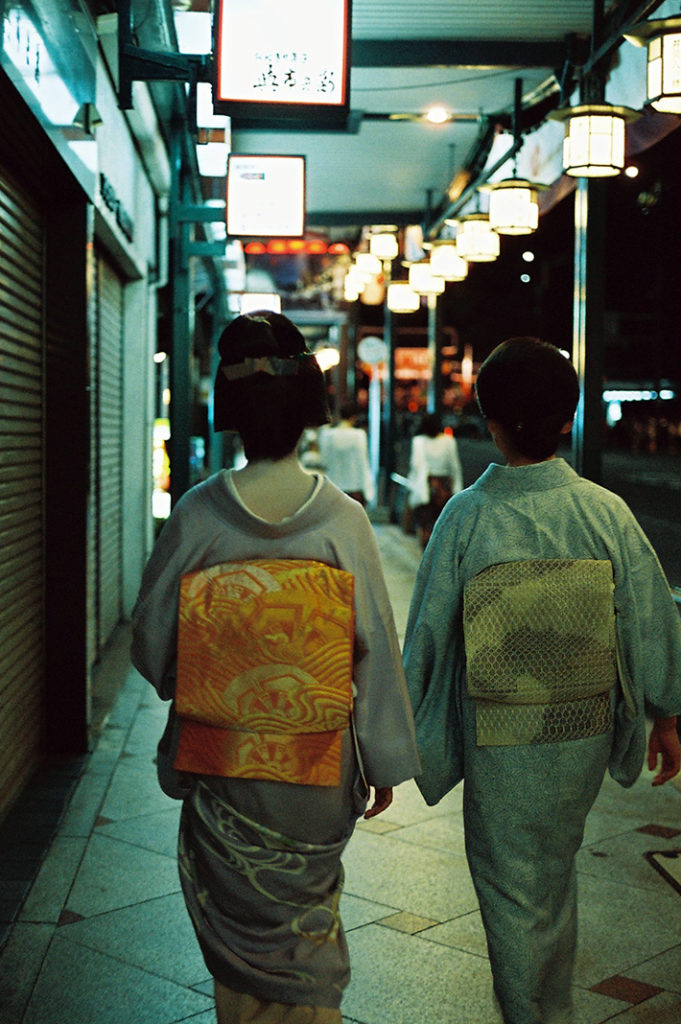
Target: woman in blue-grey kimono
(273, 762)
(542, 634)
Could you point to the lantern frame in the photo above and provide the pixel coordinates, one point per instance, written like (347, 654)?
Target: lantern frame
(602, 150)
(456, 270)
(513, 206)
(401, 297)
(662, 39)
(423, 281)
(384, 245)
(476, 227)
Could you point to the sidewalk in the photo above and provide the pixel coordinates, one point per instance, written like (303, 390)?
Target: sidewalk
(103, 936)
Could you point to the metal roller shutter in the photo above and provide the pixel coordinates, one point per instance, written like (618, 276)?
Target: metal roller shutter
(108, 450)
(21, 487)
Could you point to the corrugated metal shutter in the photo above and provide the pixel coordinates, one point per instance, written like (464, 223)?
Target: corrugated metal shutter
(21, 487)
(108, 451)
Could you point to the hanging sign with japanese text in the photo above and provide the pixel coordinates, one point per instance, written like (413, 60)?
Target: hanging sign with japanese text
(282, 59)
(265, 195)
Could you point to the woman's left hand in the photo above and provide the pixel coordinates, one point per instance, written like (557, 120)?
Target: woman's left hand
(383, 797)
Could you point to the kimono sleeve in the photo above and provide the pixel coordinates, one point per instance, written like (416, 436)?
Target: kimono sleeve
(434, 659)
(648, 624)
(154, 618)
(382, 713)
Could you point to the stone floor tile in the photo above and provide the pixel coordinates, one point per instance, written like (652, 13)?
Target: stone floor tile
(147, 728)
(400, 979)
(619, 810)
(85, 807)
(95, 989)
(423, 881)
(55, 878)
(356, 912)
(663, 970)
(465, 932)
(376, 825)
(409, 807)
(157, 832)
(134, 791)
(594, 1008)
(20, 962)
(444, 833)
(115, 874)
(406, 922)
(668, 865)
(604, 908)
(623, 859)
(156, 936)
(662, 1009)
(626, 990)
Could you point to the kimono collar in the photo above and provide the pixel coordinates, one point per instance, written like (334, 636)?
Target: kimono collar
(540, 476)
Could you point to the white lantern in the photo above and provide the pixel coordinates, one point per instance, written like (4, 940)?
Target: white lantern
(445, 261)
(513, 207)
(402, 298)
(384, 245)
(663, 40)
(368, 263)
(594, 139)
(423, 281)
(475, 239)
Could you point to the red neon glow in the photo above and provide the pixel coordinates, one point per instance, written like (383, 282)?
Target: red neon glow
(278, 247)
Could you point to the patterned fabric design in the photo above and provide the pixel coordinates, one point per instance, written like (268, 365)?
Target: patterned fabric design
(506, 724)
(314, 757)
(265, 666)
(540, 643)
(265, 906)
(540, 631)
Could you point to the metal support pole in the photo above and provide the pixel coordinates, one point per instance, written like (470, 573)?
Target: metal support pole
(388, 410)
(434, 399)
(180, 357)
(588, 325)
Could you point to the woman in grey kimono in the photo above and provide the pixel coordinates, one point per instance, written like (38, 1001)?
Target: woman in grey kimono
(260, 858)
(560, 636)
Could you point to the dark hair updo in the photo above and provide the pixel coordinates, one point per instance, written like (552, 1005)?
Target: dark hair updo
(532, 390)
(269, 387)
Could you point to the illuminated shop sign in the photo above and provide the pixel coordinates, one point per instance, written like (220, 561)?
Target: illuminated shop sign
(284, 59)
(265, 196)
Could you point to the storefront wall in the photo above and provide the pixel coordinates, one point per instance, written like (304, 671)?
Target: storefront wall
(77, 336)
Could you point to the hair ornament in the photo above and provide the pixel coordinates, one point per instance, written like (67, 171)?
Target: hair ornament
(272, 365)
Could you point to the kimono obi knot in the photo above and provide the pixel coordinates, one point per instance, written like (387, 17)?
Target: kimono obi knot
(541, 653)
(264, 670)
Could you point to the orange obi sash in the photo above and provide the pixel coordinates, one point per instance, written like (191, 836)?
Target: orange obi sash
(264, 670)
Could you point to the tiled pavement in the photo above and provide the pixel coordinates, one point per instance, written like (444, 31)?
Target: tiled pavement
(103, 937)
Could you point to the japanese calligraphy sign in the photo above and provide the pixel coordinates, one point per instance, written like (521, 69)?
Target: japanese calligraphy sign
(265, 195)
(275, 58)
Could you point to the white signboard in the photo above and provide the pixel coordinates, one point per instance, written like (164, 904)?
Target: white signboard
(265, 196)
(292, 53)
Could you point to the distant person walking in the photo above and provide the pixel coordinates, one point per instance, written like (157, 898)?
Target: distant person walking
(434, 473)
(344, 454)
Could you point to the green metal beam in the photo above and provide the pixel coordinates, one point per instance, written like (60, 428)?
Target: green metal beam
(410, 53)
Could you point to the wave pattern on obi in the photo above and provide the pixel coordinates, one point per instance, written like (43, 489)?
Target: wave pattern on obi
(541, 650)
(264, 675)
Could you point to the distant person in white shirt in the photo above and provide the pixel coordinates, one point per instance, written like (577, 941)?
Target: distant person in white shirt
(344, 454)
(434, 473)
